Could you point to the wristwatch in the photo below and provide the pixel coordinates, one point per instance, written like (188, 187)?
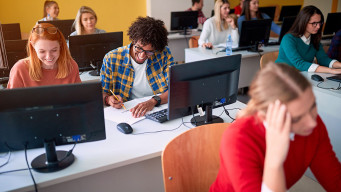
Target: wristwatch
(158, 100)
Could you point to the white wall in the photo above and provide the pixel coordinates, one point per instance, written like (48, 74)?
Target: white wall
(339, 6)
(324, 5)
(161, 9)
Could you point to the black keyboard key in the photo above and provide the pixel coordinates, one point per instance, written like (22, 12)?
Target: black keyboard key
(159, 116)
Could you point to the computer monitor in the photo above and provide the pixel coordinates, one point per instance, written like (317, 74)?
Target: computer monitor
(184, 20)
(207, 83)
(11, 31)
(288, 11)
(89, 50)
(270, 11)
(254, 32)
(51, 115)
(65, 26)
(15, 50)
(333, 23)
(286, 25)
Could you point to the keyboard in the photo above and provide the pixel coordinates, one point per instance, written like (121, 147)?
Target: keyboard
(273, 43)
(4, 80)
(158, 116)
(241, 48)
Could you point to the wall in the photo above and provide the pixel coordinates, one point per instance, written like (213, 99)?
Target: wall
(113, 15)
(325, 6)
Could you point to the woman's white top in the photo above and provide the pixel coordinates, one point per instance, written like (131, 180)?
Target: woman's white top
(210, 34)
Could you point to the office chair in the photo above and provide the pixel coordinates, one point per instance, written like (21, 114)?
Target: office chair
(190, 162)
(193, 42)
(267, 58)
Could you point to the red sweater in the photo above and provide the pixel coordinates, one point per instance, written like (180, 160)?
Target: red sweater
(242, 154)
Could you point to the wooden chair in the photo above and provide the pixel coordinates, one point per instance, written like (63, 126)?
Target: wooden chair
(190, 162)
(193, 42)
(267, 58)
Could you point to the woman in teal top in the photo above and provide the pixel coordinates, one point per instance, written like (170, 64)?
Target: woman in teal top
(302, 44)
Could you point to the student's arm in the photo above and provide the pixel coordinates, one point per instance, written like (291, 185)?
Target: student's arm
(240, 22)
(289, 47)
(274, 27)
(325, 165)
(278, 124)
(205, 34)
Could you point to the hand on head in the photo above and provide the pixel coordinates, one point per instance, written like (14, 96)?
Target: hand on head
(278, 126)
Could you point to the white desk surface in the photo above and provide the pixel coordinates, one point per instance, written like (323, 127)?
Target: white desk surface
(179, 36)
(85, 76)
(117, 150)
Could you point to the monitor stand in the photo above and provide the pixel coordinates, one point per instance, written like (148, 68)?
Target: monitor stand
(207, 119)
(52, 160)
(255, 48)
(96, 71)
(186, 32)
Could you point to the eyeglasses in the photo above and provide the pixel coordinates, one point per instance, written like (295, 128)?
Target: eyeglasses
(314, 24)
(40, 30)
(140, 50)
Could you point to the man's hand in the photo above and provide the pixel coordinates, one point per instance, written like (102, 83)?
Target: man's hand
(142, 108)
(112, 101)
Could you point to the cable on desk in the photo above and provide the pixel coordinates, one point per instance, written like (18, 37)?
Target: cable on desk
(9, 156)
(332, 88)
(28, 166)
(228, 114)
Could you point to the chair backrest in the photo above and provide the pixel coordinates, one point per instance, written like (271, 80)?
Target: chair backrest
(190, 162)
(193, 42)
(267, 58)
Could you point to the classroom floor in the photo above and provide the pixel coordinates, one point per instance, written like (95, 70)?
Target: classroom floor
(305, 184)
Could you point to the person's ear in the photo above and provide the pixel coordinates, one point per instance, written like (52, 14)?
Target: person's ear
(261, 115)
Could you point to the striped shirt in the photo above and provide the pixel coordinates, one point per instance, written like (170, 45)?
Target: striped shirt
(117, 72)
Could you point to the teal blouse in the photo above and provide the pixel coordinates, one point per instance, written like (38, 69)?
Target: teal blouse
(294, 52)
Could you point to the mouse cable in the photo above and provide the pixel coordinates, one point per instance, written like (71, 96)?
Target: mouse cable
(35, 184)
(164, 130)
(332, 88)
(228, 114)
(9, 156)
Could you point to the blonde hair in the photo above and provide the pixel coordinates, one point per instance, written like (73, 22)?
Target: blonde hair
(63, 62)
(77, 24)
(48, 4)
(217, 19)
(275, 81)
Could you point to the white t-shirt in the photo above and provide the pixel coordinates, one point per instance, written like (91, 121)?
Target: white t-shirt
(141, 87)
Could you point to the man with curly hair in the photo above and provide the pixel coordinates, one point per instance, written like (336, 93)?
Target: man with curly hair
(139, 69)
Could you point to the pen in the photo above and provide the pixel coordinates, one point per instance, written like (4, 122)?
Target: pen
(117, 99)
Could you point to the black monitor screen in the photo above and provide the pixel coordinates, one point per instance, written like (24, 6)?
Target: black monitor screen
(15, 50)
(254, 32)
(65, 26)
(11, 31)
(59, 114)
(90, 50)
(333, 23)
(286, 25)
(288, 11)
(184, 20)
(206, 83)
(270, 11)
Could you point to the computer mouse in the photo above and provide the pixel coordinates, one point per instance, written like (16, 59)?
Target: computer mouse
(209, 47)
(316, 77)
(124, 128)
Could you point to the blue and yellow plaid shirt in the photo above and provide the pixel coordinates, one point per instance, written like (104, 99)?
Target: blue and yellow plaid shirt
(117, 72)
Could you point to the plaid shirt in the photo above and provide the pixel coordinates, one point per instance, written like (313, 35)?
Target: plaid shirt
(117, 73)
(201, 16)
(334, 51)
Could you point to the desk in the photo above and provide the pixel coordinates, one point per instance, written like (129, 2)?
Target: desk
(328, 107)
(86, 77)
(249, 64)
(178, 43)
(119, 163)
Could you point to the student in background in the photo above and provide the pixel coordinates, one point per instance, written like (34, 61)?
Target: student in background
(334, 50)
(139, 69)
(277, 137)
(302, 44)
(197, 5)
(48, 63)
(238, 9)
(51, 11)
(250, 12)
(217, 28)
(85, 22)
